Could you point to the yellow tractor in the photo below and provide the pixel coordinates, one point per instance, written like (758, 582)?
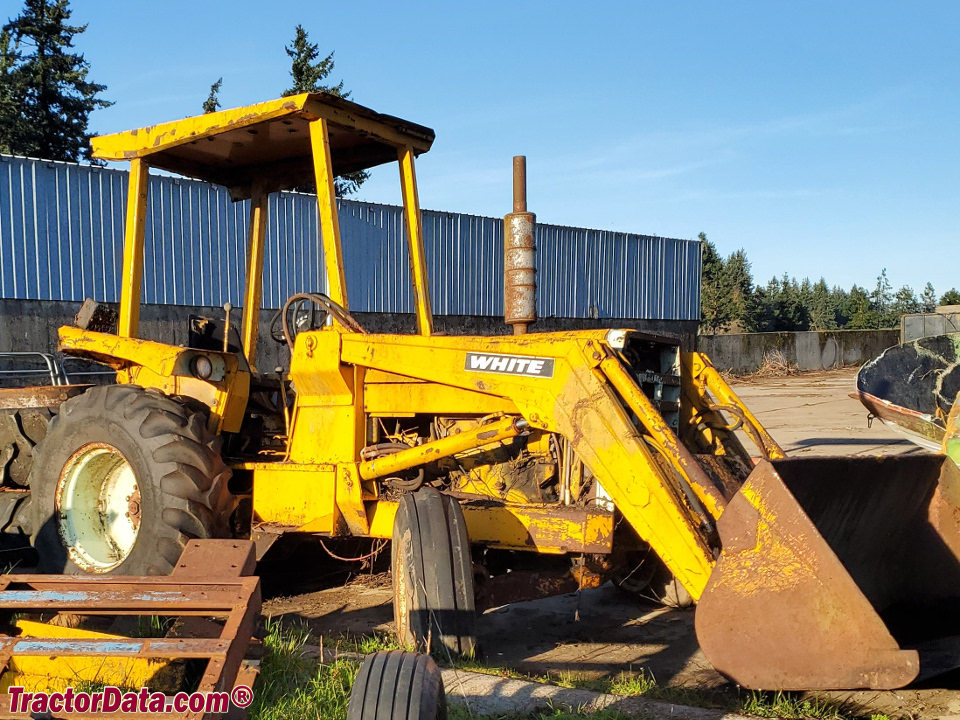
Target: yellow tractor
(609, 450)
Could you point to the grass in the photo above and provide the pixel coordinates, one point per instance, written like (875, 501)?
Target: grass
(291, 687)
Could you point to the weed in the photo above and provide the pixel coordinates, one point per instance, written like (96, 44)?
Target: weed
(793, 705)
(291, 687)
(153, 626)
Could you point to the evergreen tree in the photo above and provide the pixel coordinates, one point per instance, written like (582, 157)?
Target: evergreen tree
(768, 300)
(212, 103)
(928, 300)
(904, 303)
(731, 302)
(881, 301)
(11, 121)
(761, 312)
(950, 297)
(45, 84)
(793, 312)
(822, 311)
(862, 316)
(713, 305)
(308, 71)
(782, 308)
(736, 283)
(842, 310)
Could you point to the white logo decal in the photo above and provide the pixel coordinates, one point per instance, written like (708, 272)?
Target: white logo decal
(510, 365)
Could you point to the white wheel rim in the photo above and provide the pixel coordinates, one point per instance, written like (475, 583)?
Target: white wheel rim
(98, 507)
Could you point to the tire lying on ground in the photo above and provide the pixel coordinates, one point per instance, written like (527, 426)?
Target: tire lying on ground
(649, 578)
(398, 686)
(668, 591)
(433, 602)
(124, 477)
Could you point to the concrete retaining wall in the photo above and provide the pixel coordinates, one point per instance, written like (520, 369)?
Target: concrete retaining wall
(31, 325)
(744, 353)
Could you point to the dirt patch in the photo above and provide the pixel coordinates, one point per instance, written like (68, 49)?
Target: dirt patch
(362, 607)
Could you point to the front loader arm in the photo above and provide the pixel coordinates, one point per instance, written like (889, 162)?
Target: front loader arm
(574, 399)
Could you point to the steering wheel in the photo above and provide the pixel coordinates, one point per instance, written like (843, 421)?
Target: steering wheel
(310, 312)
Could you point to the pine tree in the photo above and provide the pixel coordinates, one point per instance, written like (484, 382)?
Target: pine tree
(309, 71)
(822, 311)
(881, 300)
(212, 103)
(862, 316)
(793, 313)
(713, 303)
(950, 297)
(928, 300)
(841, 305)
(10, 119)
(904, 303)
(736, 282)
(46, 84)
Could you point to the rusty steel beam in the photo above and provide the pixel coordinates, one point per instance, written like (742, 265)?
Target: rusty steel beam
(42, 396)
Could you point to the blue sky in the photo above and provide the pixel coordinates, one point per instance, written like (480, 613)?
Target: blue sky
(822, 137)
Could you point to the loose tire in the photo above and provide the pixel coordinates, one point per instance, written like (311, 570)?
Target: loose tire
(650, 579)
(433, 602)
(123, 478)
(668, 591)
(398, 686)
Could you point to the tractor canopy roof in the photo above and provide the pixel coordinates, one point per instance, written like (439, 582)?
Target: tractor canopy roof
(267, 143)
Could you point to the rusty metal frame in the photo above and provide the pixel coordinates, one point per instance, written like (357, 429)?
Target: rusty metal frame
(207, 582)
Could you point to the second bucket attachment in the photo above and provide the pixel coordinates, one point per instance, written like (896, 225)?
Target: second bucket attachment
(837, 573)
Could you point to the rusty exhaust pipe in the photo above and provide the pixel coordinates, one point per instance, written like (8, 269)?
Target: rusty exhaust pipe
(519, 256)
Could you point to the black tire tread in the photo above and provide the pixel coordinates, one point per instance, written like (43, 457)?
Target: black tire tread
(440, 572)
(398, 685)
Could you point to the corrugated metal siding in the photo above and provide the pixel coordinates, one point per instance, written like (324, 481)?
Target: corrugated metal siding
(61, 238)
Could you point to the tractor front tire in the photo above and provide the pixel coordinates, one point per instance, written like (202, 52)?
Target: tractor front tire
(433, 601)
(123, 479)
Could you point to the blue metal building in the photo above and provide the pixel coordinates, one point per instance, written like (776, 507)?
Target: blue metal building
(61, 238)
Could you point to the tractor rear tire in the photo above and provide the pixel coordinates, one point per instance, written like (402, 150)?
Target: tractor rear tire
(433, 601)
(398, 685)
(123, 479)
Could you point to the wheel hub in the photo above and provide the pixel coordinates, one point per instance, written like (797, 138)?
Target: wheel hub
(98, 507)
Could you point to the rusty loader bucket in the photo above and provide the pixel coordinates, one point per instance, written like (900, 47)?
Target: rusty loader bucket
(837, 573)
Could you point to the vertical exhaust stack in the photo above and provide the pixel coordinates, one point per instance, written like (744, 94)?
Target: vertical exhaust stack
(519, 256)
